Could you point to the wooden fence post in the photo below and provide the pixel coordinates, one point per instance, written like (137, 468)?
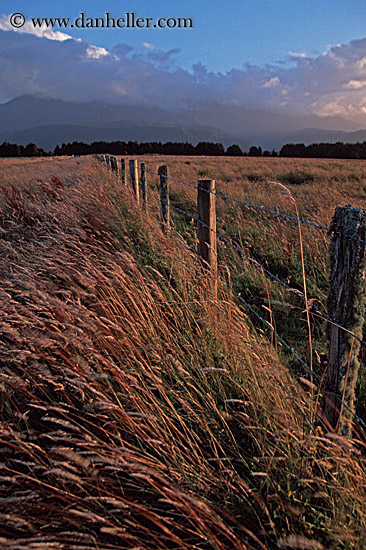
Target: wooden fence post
(123, 171)
(143, 184)
(206, 231)
(164, 197)
(114, 165)
(134, 173)
(346, 307)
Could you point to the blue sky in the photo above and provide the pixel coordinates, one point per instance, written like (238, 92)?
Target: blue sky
(292, 57)
(226, 35)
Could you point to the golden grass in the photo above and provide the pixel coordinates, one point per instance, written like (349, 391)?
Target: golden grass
(135, 412)
(324, 185)
(317, 187)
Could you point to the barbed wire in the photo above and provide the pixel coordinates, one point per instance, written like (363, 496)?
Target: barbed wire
(301, 361)
(249, 204)
(268, 325)
(271, 275)
(279, 338)
(276, 212)
(274, 277)
(259, 207)
(293, 291)
(173, 179)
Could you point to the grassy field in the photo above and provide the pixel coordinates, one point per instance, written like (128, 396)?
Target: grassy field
(309, 188)
(137, 412)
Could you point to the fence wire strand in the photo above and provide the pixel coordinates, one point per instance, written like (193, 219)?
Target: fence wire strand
(248, 306)
(274, 277)
(259, 207)
(281, 340)
(249, 204)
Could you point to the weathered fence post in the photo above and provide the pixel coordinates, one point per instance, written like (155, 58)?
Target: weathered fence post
(346, 307)
(206, 231)
(164, 197)
(114, 164)
(143, 184)
(123, 171)
(134, 174)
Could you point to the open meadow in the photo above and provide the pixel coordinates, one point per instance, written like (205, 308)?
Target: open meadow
(138, 412)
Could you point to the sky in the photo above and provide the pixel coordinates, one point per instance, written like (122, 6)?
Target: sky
(285, 55)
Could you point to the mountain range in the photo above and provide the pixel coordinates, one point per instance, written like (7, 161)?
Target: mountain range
(50, 122)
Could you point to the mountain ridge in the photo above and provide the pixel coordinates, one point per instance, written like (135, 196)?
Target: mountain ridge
(49, 122)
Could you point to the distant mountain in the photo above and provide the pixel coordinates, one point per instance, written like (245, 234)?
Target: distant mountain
(307, 136)
(271, 130)
(29, 111)
(49, 136)
(243, 121)
(50, 122)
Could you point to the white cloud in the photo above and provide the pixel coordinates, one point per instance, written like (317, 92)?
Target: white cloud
(272, 82)
(28, 28)
(148, 46)
(330, 84)
(355, 84)
(295, 55)
(361, 64)
(333, 108)
(95, 52)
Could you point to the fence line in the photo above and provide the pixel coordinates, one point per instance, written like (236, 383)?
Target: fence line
(262, 208)
(280, 339)
(250, 259)
(331, 393)
(274, 277)
(249, 204)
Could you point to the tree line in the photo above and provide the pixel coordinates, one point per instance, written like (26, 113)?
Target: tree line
(337, 150)
(299, 150)
(15, 150)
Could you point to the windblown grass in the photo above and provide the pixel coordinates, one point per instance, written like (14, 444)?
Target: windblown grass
(317, 187)
(135, 411)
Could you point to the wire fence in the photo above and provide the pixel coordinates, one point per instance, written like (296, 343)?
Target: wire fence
(260, 266)
(274, 332)
(250, 259)
(293, 291)
(297, 293)
(249, 204)
(259, 207)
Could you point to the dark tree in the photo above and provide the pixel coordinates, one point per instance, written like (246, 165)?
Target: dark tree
(234, 151)
(209, 149)
(31, 150)
(10, 150)
(255, 151)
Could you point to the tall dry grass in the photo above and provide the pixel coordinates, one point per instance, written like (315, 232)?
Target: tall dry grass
(317, 187)
(135, 411)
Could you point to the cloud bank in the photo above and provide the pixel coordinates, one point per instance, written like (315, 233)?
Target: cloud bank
(53, 64)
